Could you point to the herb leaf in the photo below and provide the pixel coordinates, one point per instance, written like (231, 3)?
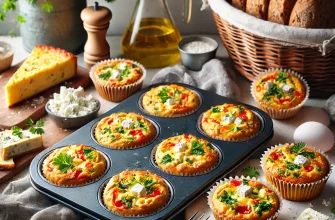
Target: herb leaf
(37, 129)
(245, 182)
(64, 161)
(297, 148)
(124, 73)
(292, 166)
(164, 95)
(17, 131)
(128, 201)
(196, 148)
(226, 198)
(106, 75)
(273, 91)
(29, 122)
(87, 151)
(281, 77)
(167, 159)
(262, 207)
(148, 183)
(216, 110)
(235, 129)
(308, 154)
(47, 7)
(120, 130)
(250, 171)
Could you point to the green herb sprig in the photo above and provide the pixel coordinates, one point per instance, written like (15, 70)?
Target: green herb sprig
(250, 171)
(37, 128)
(64, 162)
(167, 159)
(17, 131)
(298, 148)
(196, 148)
(262, 207)
(128, 201)
(164, 95)
(226, 198)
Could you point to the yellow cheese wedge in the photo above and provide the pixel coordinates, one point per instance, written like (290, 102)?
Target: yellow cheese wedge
(45, 67)
(13, 146)
(6, 164)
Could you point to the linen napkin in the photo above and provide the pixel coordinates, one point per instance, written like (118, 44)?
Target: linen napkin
(215, 76)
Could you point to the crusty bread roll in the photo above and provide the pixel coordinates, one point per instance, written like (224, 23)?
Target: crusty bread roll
(240, 4)
(258, 8)
(280, 11)
(306, 14)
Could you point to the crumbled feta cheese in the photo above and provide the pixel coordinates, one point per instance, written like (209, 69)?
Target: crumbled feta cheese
(262, 193)
(138, 189)
(127, 123)
(268, 85)
(179, 157)
(180, 147)
(238, 121)
(301, 160)
(311, 214)
(244, 190)
(72, 102)
(171, 101)
(227, 119)
(115, 74)
(122, 66)
(287, 88)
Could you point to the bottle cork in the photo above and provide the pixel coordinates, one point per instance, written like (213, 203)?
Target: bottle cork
(96, 22)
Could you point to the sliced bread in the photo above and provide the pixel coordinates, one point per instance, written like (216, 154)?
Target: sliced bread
(280, 11)
(306, 14)
(258, 8)
(240, 4)
(6, 164)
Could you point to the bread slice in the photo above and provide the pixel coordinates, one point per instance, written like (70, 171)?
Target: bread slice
(45, 67)
(280, 11)
(258, 8)
(306, 14)
(240, 4)
(6, 164)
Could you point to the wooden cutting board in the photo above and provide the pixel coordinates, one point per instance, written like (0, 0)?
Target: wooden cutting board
(33, 107)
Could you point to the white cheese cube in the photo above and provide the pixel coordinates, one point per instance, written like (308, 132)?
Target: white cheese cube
(127, 123)
(287, 88)
(301, 160)
(122, 66)
(180, 147)
(268, 85)
(238, 121)
(262, 193)
(138, 189)
(170, 101)
(2, 49)
(115, 74)
(228, 119)
(63, 91)
(244, 190)
(310, 214)
(179, 157)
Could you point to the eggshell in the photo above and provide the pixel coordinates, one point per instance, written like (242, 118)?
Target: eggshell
(315, 134)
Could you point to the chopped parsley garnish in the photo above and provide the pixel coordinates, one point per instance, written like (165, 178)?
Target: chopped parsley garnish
(164, 95)
(226, 198)
(308, 154)
(216, 110)
(298, 148)
(296, 175)
(106, 75)
(245, 182)
(281, 77)
(262, 207)
(241, 109)
(176, 92)
(124, 73)
(133, 66)
(122, 186)
(188, 161)
(37, 129)
(106, 130)
(148, 183)
(128, 201)
(235, 129)
(120, 130)
(140, 124)
(17, 131)
(87, 151)
(292, 166)
(131, 138)
(319, 169)
(273, 91)
(64, 162)
(167, 159)
(250, 171)
(196, 148)
(29, 122)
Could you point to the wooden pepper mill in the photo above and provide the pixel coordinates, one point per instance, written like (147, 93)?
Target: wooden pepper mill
(96, 22)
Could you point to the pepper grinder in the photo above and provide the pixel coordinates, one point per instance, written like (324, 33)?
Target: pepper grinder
(96, 22)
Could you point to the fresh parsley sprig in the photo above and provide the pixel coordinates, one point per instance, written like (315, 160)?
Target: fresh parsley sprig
(298, 148)
(196, 148)
(226, 198)
(167, 159)
(250, 171)
(64, 162)
(17, 131)
(262, 207)
(37, 128)
(164, 95)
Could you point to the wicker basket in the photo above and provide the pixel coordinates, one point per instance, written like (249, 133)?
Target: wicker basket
(253, 54)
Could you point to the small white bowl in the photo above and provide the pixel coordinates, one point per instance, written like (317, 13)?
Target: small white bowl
(6, 57)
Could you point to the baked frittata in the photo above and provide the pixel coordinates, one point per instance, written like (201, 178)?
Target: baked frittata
(279, 90)
(230, 122)
(170, 101)
(74, 165)
(295, 163)
(136, 193)
(124, 130)
(186, 155)
(244, 199)
(116, 73)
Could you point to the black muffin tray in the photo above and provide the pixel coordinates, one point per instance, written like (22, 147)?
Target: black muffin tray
(184, 189)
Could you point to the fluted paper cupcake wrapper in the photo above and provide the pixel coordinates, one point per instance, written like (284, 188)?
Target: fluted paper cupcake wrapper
(217, 184)
(280, 113)
(153, 158)
(296, 191)
(120, 93)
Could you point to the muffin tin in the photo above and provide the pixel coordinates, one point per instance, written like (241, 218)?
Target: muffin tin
(87, 199)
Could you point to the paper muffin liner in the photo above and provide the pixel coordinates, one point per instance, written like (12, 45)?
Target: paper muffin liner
(246, 138)
(296, 191)
(219, 183)
(280, 113)
(174, 115)
(119, 93)
(218, 155)
(76, 185)
(137, 216)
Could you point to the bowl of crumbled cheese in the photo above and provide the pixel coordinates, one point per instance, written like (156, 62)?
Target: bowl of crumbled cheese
(195, 51)
(72, 108)
(6, 55)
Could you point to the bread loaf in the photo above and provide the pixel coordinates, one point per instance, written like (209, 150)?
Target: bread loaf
(306, 14)
(258, 8)
(240, 4)
(280, 11)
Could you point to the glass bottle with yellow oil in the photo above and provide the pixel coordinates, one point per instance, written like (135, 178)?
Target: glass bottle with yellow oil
(151, 37)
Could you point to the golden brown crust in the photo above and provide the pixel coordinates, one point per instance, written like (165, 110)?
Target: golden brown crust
(228, 205)
(111, 133)
(280, 165)
(119, 198)
(55, 50)
(240, 4)
(6, 165)
(280, 11)
(87, 164)
(184, 101)
(214, 125)
(258, 8)
(305, 14)
(275, 97)
(196, 156)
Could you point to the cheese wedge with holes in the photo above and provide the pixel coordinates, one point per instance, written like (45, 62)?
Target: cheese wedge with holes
(45, 67)
(13, 146)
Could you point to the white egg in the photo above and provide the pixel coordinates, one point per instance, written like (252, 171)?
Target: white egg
(315, 134)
